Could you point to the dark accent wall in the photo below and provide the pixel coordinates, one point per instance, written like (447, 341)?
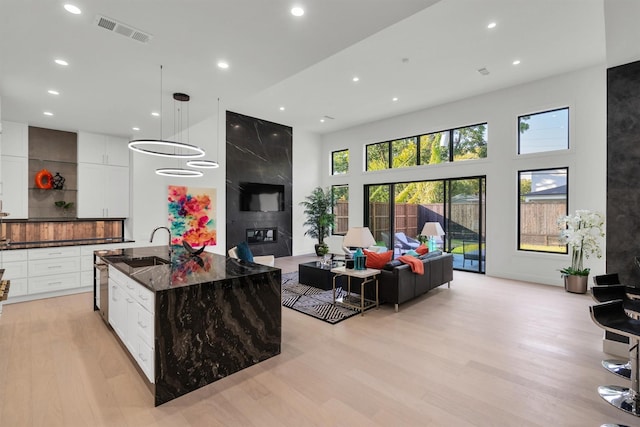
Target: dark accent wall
(258, 151)
(623, 162)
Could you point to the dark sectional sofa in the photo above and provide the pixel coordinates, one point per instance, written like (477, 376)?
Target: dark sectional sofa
(398, 284)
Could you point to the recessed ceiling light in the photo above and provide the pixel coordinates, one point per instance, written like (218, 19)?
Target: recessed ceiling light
(72, 9)
(223, 64)
(281, 108)
(297, 11)
(48, 113)
(356, 78)
(135, 128)
(321, 120)
(395, 99)
(155, 114)
(53, 92)
(491, 25)
(61, 62)
(516, 62)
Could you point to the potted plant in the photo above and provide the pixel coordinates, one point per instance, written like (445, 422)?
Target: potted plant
(582, 233)
(318, 207)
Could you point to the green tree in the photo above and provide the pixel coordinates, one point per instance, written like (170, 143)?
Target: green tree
(525, 188)
(340, 162)
(378, 156)
(523, 123)
(404, 153)
(470, 143)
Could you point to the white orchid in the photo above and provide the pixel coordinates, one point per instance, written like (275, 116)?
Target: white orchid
(582, 233)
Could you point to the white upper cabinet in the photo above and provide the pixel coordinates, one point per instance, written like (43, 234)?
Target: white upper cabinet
(103, 176)
(15, 139)
(13, 169)
(103, 191)
(13, 186)
(102, 149)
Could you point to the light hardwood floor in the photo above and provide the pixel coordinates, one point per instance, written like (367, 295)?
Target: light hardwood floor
(486, 352)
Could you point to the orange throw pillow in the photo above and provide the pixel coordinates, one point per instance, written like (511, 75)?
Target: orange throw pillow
(416, 264)
(377, 260)
(422, 249)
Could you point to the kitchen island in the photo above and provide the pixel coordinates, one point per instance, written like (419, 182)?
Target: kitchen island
(188, 321)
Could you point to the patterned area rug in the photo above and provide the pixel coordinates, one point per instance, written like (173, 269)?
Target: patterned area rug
(315, 302)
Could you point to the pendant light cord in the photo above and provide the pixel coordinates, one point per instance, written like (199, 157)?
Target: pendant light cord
(161, 102)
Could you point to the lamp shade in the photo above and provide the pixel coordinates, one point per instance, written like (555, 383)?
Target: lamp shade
(432, 229)
(359, 237)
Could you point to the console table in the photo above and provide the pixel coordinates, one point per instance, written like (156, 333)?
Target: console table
(369, 275)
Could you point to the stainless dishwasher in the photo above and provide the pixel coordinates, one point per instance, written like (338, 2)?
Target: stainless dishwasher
(101, 272)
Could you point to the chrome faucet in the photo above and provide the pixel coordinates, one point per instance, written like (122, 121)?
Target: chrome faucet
(168, 231)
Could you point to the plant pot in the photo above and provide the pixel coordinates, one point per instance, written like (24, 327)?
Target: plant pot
(576, 284)
(320, 250)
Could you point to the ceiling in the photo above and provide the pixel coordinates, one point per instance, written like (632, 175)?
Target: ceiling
(424, 52)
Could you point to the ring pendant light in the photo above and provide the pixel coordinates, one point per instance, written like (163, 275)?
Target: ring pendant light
(182, 99)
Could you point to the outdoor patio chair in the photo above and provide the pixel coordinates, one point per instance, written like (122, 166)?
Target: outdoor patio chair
(406, 242)
(471, 251)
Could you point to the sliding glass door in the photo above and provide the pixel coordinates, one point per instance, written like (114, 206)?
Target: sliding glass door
(466, 223)
(396, 214)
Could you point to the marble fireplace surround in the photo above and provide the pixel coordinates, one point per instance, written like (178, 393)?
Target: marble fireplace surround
(258, 151)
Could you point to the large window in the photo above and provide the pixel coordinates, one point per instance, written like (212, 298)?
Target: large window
(546, 131)
(341, 208)
(542, 199)
(340, 162)
(464, 143)
(396, 213)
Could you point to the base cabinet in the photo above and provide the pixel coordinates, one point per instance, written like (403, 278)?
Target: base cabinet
(131, 316)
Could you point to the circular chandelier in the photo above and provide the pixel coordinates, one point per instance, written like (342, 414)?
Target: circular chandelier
(203, 164)
(180, 150)
(179, 172)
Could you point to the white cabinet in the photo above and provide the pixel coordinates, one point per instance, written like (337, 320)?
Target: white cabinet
(103, 191)
(103, 176)
(53, 269)
(15, 267)
(102, 149)
(117, 306)
(15, 139)
(14, 170)
(131, 314)
(13, 189)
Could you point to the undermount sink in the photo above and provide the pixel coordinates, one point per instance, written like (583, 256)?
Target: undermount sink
(148, 261)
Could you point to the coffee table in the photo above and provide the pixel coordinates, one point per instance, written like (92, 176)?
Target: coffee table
(317, 275)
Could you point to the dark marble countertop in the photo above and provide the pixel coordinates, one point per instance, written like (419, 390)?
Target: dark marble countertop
(155, 269)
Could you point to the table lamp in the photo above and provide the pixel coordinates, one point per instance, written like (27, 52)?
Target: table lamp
(432, 229)
(359, 237)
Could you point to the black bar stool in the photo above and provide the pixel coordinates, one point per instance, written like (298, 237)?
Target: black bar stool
(611, 316)
(632, 304)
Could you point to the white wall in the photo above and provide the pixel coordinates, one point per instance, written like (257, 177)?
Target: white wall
(307, 173)
(149, 190)
(584, 92)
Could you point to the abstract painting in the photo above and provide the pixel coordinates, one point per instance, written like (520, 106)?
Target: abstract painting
(192, 215)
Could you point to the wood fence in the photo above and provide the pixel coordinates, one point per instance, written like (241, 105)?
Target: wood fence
(538, 220)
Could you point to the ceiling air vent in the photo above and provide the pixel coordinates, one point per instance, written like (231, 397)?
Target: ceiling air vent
(483, 71)
(122, 29)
